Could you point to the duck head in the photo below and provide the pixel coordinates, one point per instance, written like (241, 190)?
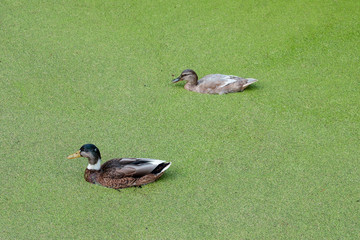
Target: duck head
(187, 75)
(92, 153)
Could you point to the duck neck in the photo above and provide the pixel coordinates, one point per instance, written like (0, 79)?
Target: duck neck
(191, 84)
(95, 166)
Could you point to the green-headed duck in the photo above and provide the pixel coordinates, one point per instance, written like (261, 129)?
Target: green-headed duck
(120, 172)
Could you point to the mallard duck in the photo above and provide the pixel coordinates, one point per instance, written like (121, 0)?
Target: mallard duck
(213, 83)
(119, 172)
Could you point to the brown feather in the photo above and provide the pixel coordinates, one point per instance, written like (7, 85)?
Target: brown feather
(125, 172)
(214, 83)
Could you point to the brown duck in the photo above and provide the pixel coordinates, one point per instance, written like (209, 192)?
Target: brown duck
(120, 172)
(213, 83)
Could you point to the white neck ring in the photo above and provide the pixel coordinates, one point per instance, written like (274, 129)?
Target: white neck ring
(96, 166)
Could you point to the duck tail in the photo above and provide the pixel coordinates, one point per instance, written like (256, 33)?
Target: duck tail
(248, 82)
(161, 168)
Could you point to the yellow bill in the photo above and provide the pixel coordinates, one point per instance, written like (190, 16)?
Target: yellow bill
(75, 155)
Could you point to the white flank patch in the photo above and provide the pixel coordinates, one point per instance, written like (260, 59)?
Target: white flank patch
(228, 81)
(95, 166)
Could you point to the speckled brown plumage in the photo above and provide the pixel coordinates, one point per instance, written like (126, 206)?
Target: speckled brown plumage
(214, 83)
(125, 172)
(119, 172)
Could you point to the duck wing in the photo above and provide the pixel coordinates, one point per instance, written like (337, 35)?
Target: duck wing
(129, 167)
(219, 80)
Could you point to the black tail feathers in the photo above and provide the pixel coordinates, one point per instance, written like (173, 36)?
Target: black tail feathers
(161, 167)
